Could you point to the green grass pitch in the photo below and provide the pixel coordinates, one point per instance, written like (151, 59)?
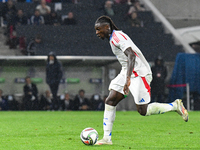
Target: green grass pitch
(60, 130)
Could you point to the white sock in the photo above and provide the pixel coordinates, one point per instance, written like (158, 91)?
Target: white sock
(160, 108)
(108, 120)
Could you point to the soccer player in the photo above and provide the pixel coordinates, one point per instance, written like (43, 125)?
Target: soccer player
(135, 76)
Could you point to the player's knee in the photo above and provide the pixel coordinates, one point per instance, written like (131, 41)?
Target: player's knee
(110, 101)
(114, 98)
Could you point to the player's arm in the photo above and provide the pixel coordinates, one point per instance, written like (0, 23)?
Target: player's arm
(130, 66)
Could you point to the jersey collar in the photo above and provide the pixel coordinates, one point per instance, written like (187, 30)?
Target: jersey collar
(112, 34)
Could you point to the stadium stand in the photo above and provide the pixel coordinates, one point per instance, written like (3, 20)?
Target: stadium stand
(80, 40)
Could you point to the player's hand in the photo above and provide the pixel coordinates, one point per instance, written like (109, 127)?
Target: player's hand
(126, 86)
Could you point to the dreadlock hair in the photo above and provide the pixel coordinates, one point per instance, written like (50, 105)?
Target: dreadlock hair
(106, 19)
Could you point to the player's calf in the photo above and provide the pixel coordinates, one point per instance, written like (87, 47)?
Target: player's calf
(142, 109)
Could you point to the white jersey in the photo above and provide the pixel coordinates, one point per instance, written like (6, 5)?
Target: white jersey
(119, 42)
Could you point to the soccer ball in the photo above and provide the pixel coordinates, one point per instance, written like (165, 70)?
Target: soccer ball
(89, 136)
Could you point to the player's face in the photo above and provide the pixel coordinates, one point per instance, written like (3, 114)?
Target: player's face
(102, 30)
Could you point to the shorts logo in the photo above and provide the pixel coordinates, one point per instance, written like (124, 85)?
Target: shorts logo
(142, 100)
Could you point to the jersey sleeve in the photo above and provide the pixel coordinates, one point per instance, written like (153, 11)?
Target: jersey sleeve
(121, 41)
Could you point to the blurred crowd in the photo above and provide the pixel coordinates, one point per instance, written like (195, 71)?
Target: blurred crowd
(46, 15)
(65, 102)
(50, 100)
(43, 14)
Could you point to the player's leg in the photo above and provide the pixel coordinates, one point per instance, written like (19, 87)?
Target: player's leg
(109, 113)
(160, 108)
(112, 100)
(141, 94)
(114, 97)
(156, 108)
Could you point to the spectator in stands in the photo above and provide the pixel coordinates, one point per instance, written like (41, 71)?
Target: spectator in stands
(8, 11)
(46, 101)
(12, 40)
(120, 1)
(53, 77)
(3, 101)
(130, 2)
(37, 19)
(66, 103)
(76, 1)
(159, 72)
(43, 8)
(53, 19)
(108, 8)
(32, 45)
(20, 18)
(22, 44)
(12, 103)
(135, 22)
(70, 20)
(48, 1)
(135, 6)
(81, 102)
(96, 102)
(30, 95)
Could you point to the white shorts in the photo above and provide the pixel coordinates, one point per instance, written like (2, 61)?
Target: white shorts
(139, 87)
